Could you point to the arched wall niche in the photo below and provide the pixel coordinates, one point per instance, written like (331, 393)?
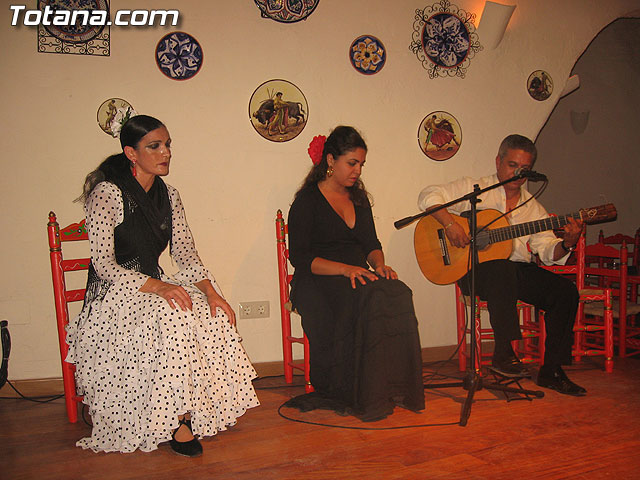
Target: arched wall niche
(588, 146)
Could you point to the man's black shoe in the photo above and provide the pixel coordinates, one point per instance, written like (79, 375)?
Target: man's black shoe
(556, 379)
(510, 366)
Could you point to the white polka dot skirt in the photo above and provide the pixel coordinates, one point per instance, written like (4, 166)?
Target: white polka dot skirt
(140, 364)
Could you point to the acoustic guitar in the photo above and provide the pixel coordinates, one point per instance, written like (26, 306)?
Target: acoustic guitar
(443, 263)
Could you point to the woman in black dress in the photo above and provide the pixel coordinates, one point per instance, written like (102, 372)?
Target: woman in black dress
(359, 318)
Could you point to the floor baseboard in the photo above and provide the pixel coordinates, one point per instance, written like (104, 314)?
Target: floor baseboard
(53, 386)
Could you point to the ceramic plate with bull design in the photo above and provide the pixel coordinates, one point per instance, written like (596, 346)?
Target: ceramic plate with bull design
(278, 110)
(540, 85)
(439, 136)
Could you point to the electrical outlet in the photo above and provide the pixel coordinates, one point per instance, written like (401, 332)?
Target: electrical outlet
(254, 309)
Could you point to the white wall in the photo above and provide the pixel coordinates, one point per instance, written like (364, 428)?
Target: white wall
(599, 165)
(232, 181)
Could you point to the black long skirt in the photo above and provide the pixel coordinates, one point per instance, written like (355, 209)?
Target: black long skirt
(365, 353)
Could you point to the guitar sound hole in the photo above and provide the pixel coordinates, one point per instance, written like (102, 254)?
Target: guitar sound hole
(482, 240)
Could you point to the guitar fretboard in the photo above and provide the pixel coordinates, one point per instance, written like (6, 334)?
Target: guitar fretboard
(528, 228)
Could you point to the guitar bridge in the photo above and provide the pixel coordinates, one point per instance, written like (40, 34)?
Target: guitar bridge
(444, 250)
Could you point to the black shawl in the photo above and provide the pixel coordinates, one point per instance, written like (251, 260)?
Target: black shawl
(143, 234)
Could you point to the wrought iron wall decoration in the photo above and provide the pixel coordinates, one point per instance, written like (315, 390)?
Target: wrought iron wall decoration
(287, 11)
(367, 54)
(278, 110)
(179, 56)
(444, 39)
(540, 85)
(75, 39)
(439, 136)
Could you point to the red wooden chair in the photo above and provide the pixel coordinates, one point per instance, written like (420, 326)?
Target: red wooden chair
(62, 297)
(586, 330)
(611, 265)
(284, 279)
(531, 348)
(634, 258)
(618, 239)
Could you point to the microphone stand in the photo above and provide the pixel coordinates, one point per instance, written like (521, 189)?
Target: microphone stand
(472, 380)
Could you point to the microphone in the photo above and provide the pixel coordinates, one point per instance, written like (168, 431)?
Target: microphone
(530, 175)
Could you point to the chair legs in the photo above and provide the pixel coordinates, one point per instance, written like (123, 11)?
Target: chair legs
(71, 398)
(290, 365)
(307, 379)
(584, 331)
(531, 348)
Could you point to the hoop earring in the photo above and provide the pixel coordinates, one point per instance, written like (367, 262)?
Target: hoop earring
(329, 171)
(133, 169)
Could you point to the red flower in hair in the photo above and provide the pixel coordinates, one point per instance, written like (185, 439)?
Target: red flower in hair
(316, 147)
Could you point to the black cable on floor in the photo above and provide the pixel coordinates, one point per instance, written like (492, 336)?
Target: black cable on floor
(287, 385)
(38, 399)
(84, 419)
(347, 427)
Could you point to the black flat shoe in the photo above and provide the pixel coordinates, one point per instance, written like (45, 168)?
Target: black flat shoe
(192, 448)
(510, 366)
(557, 380)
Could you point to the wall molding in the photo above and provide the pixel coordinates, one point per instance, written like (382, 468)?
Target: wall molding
(53, 386)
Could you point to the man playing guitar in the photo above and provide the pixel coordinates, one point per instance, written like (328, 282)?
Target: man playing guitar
(502, 282)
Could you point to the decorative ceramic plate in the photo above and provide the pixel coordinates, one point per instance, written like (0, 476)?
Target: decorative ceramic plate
(179, 56)
(287, 11)
(439, 136)
(367, 54)
(540, 85)
(77, 33)
(278, 110)
(110, 110)
(444, 39)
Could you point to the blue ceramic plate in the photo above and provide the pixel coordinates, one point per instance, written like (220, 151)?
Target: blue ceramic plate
(367, 54)
(179, 56)
(446, 40)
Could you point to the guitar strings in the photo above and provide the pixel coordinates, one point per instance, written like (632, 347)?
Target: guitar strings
(534, 195)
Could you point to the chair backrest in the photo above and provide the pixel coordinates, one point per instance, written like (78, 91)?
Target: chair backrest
(611, 265)
(619, 239)
(59, 266)
(575, 271)
(616, 239)
(284, 278)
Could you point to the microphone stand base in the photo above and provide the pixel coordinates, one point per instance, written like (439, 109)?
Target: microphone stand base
(473, 382)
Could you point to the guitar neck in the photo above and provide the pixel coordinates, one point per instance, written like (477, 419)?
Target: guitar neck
(529, 228)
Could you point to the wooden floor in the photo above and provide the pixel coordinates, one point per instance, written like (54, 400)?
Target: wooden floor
(597, 436)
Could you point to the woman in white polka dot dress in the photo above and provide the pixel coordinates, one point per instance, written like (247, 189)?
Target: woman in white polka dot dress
(157, 358)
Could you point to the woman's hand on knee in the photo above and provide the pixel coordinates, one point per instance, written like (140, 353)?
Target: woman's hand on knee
(216, 301)
(358, 273)
(387, 272)
(175, 295)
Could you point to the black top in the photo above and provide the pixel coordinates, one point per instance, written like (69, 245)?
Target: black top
(316, 230)
(142, 236)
